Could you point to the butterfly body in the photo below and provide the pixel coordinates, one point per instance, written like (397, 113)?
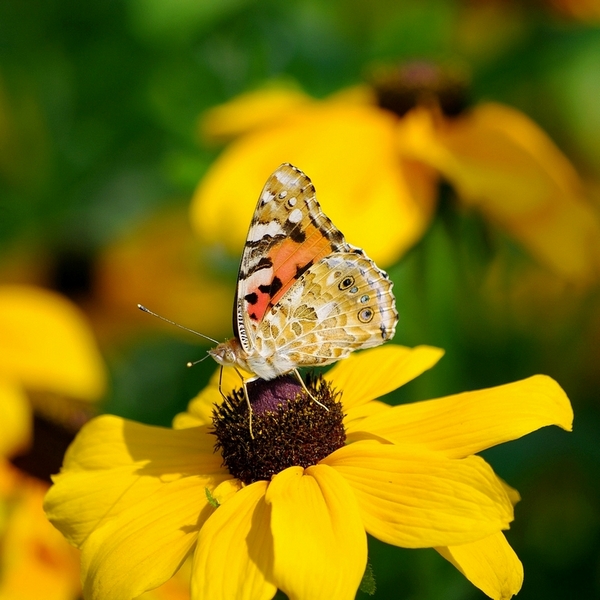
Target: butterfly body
(305, 297)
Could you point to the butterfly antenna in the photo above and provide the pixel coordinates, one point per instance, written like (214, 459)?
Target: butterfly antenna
(191, 364)
(147, 310)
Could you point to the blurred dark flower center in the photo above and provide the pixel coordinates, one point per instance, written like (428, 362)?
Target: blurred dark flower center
(421, 83)
(73, 274)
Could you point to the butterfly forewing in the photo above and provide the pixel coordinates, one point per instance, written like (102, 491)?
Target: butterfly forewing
(288, 235)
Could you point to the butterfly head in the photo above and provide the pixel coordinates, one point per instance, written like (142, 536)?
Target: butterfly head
(227, 353)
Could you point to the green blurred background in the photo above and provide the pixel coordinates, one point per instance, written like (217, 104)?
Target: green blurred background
(99, 108)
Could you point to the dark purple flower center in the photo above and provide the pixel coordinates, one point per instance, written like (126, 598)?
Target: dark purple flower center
(289, 428)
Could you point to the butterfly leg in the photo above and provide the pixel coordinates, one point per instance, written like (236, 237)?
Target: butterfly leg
(249, 407)
(244, 385)
(299, 378)
(245, 395)
(225, 398)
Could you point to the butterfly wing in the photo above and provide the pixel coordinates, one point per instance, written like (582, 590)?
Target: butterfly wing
(288, 235)
(340, 304)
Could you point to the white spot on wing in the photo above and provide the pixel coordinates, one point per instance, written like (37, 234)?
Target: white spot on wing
(266, 196)
(262, 277)
(282, 195)
(260, 230)
(295, 216)
(286, 177)
(292, 201)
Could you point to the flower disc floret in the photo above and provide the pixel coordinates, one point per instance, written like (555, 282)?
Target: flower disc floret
(288, 427)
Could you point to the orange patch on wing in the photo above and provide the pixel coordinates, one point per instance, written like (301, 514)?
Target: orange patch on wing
(259, 308)
(289, 258)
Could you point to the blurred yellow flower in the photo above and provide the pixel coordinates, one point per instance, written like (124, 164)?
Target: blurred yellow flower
(250, 111)
(376, 156)
(505, 166)
(378, 200)
(160, 264)
(289, 507)
(46, 344)
(46, 347)
(35, 561)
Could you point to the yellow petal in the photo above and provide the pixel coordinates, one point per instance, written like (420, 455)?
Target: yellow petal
(317, 533)
(186, 420)
(35, 560)
(200, 408)
(502, 163)
(365, 376)
(108, 442)
(415, 499)
(490, 564)
(467, 423)
(9, 481)
(511, 492)
(146, 543)
(234, 556)
(15, 416)
(46, 344)
(226, 490)
(361, 94)
(250, 111)
(349, 152)
(114, 464)
(357, 414)
(176, 588)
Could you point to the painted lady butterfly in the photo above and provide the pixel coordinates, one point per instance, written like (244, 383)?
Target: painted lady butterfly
(305, 297)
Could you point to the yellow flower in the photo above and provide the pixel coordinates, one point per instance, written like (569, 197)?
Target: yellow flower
(290, 508)
(45, 346)
(158, 253)
(161, 254)
(376, 157)
(176, 588)
(376, 198)
(46, 349)
(35, 561)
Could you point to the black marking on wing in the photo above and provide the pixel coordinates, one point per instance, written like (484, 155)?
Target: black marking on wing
(264, 263)
(251, 298)
(300, 269)
(331, 232)
(266, 241)
(272, 288)
(297, 235)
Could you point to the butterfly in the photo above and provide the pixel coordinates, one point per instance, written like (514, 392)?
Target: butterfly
(305, 297)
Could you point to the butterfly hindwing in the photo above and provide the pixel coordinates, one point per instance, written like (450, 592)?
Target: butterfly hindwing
(288, 235)
(342, 303)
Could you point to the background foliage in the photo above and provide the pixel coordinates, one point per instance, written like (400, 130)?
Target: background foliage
(99, 108)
